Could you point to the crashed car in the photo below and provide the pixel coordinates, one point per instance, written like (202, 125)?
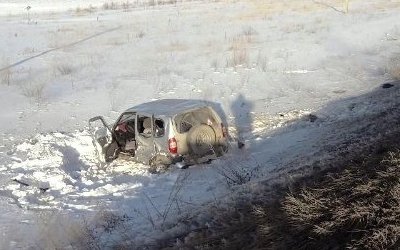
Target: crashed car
(163, 132)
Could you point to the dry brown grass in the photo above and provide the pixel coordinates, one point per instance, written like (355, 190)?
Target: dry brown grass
(34, 90)
(239, 52)
(352, 207)
(358, 206)
(110, 6)
(175, 46)
(387, 5)
(262, 8)
(6, 76)
(80, 11)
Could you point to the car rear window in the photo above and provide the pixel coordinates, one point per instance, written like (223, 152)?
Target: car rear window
(185, 121)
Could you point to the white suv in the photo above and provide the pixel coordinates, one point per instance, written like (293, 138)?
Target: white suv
(164, 132)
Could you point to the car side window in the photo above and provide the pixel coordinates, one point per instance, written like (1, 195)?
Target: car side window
(144, 126)
(159, 127)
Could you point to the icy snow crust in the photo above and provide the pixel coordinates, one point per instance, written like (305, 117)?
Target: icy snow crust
(269, 64)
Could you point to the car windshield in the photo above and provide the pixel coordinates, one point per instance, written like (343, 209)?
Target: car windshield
(126, 117)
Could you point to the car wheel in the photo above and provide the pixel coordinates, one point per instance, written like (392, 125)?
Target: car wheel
(201, 139)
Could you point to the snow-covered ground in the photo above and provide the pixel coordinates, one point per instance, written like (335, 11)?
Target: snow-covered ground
(270, 64)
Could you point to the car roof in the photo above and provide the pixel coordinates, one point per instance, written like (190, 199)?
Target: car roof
(169, 107)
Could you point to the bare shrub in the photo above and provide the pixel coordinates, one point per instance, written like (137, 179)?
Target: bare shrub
(240, 52)
(83, 11)
(34, 90)
(140, 34)
(110, 6)
(152, 2)
(238, 172)
(235, 175)
(249, 32)
(240, 55)
(262, 62)
(126, 6)
(172, 1)
(64, 69)
(5, 76)
(6, 73)
(106, 6)
(158, 216)
(293, 27)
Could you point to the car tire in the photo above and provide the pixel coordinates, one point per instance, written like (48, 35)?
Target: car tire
(201, 139)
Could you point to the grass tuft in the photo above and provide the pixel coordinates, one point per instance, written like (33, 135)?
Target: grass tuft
(64, 69)
(34, 91)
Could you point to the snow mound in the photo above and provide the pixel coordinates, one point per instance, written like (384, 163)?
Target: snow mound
(50, 169)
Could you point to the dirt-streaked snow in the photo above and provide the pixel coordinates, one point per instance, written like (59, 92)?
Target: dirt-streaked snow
(269, 64)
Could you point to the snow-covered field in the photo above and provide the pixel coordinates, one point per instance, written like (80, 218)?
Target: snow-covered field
(269, 63)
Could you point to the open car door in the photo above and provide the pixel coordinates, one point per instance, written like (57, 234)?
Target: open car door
(102, 136)
(144, 138)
